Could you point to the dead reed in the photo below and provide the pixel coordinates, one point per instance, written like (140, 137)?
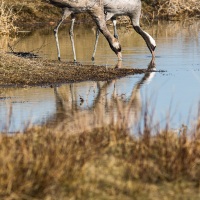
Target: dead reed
(171, 9)
(40, 12)
(7, 19)
(32, 12)
(104, 163)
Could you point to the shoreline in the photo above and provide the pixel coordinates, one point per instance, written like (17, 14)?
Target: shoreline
(21, 72)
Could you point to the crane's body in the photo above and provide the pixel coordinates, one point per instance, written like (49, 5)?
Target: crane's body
(96, 10)
(101, 11)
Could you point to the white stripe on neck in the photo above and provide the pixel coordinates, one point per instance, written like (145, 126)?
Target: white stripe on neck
(151, 39)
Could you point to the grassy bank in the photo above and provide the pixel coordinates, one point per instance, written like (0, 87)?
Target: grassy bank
(105, 163)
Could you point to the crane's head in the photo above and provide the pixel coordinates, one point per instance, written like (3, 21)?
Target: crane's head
(151, 43)
(116, 47)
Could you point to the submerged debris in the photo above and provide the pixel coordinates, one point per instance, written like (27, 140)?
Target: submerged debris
(22, 54)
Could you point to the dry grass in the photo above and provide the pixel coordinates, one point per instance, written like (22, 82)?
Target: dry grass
(171, 9)
(40, 12)
(26, 13)
(7, 19)
(105, 163)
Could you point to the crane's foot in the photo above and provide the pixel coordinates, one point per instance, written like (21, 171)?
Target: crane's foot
(77, 63)
(116, 36)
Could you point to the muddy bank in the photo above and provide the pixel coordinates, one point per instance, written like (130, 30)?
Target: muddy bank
(16, 71)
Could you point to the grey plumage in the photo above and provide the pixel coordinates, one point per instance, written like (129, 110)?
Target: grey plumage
(96, 10)
(132, 9)
(112, 9)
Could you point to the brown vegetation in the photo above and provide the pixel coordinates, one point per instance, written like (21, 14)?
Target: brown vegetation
(105, 163)
(7, 19)
(170, 9)
(38, 12)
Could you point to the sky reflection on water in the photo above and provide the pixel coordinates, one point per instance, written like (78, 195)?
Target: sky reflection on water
(176, 90)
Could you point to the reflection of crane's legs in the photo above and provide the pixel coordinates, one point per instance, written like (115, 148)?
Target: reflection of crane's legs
(71, 92)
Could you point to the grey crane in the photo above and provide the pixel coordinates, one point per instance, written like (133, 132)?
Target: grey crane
(112, 9)
(96, 9)
(132, 9)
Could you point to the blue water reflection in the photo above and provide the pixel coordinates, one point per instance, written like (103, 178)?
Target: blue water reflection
(174, 91)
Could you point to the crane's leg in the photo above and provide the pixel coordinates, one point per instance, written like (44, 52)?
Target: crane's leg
(109, 16)
(66, 13)
(97, 38)
(56, 36)
(71, 33)
(114, 21)
(96, 43)
(97, 14)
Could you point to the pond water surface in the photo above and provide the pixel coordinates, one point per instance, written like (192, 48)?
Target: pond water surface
(175, 91)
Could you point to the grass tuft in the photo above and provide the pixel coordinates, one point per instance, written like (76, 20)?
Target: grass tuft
(171, 9)
(104, 163)
(7, 19)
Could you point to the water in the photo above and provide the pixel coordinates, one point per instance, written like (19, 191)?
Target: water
(173, 94)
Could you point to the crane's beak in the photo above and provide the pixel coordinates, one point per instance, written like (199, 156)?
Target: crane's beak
(153, 55)
(119, 55)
